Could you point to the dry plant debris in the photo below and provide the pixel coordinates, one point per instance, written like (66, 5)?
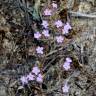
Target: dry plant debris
(47, 48)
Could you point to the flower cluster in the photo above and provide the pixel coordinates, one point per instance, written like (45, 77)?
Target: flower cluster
(58, 23)
(67, 63)
(34, 75)
(37, 35)
(48, 12)
(66, 66)
(45, 32)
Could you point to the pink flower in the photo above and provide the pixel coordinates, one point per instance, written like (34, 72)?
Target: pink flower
(66, 65)
(69, 60)
(37, 35)
(39, 78)
(35, 70)
(65, 88)
(24, 80)
(66, 28)
(54, 5)
(46, 33)
(30, 77)
(47, 12)
(64, 31)
(45, 24)
(39, 50)
(59, 39)
(58, 23)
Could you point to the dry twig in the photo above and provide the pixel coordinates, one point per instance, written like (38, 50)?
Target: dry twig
(78, 14)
